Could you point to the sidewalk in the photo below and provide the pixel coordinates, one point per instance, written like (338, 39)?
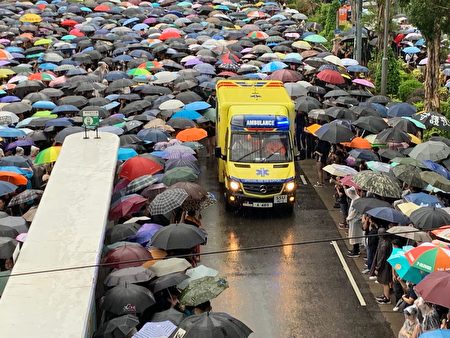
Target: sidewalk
(326, 194)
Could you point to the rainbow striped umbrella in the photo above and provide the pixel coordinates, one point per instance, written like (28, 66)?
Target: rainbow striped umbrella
(150, 65)
(138, 72)
(429, 257)
(48, 155)
(259, 35)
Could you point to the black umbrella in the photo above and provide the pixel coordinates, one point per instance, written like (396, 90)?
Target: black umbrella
(389, 153)
(336, 93)
(409, 174)
(6, 231)
(214, 325)
(178, 236)
(119, 232)
(334, 133)
(432, 119)
(119, 327)
(74, 100)
(361, 111)
(119, 84)
(181, 123)
(340, 113)
(167, 281)
(379, 99)
(176, 317)
(364, 204)
(392, 135)
(403, 124)
(127, 299)
(18, 107)
(15, 161)
(7, 247)
(59, 138)
(305, 104)
(428, 218)
(373, 124)
(135, 274)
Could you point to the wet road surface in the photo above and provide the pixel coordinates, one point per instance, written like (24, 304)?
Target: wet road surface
(293, 291)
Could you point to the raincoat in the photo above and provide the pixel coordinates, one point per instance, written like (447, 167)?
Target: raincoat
(354, 219)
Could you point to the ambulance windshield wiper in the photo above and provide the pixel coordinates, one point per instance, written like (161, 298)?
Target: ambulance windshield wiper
(248, 154)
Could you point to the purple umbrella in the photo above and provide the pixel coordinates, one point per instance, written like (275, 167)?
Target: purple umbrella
(20, 143)
(9, 99)
(145, 233)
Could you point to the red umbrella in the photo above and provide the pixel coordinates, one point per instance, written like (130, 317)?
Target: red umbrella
(169, 35)
(435, 287)
(229, 58)
(119, 256)
(126, 205)
(102, 8)
(331, 76)
(285, 75)
(76, 32)
(139, 166)
(69, 23)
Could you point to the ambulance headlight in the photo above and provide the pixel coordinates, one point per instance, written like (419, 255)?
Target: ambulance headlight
(290, 186)
(234, 186)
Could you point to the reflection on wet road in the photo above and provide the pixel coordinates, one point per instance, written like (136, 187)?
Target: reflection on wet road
(291, 291)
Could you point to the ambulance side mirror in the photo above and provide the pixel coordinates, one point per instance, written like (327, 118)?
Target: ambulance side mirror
(218, 153)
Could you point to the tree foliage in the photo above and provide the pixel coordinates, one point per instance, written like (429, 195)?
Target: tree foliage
(393, 80)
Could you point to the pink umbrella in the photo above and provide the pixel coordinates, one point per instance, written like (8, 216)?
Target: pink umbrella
(364, 83)
(423, 62)
(348, 181)
(58, 81)
(21, 237)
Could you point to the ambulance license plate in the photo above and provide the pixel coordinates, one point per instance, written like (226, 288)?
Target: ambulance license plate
(262, 205)
(280, 199)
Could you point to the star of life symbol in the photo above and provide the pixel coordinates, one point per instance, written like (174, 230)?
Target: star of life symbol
(262, 172)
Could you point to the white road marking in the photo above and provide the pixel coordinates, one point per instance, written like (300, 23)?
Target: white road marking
(302, 177)
(349, 274)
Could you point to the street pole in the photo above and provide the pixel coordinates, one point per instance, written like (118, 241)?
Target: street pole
(358, 33)
(384, 61)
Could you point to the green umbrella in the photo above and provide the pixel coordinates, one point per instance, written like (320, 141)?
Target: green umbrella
(179, 174)
(436, 180)
(202, 290)
(409, 174)
(380, 184)
(316, 38)
(430, 150)
(407, 161)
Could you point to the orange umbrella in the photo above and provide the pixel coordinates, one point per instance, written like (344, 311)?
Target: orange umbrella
(13, 178)
(192, 134)
(169, 35)
(157, 254)
(358, 143)
(313, 128)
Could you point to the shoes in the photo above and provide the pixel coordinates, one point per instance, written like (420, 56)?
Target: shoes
(352, 254)
(395, 309)
(380, 297)
(384, 301)
(343, 226)
(318, 185)
(365, 271)
(373, 278)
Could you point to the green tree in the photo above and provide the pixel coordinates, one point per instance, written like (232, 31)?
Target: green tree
(330, 21)
(432, 18)
(393, 81)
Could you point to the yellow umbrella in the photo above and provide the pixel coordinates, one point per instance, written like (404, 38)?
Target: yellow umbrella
(301, 44)
(4, 72)
(313, 128)
(408, 208)
(414, 139)
(30, 17)
(42, 42)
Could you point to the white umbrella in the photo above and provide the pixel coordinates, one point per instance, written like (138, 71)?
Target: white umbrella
(334, 60)
(170, 265)
(165, 77)
(7, 118)
(339, 170)
(171, 105)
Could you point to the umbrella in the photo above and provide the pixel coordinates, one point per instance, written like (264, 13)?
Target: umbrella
(402, 109)
(119, 327)
(140, 183)
(6, 231)
(6, 188)
(202, 290)
(409, 232)
(145, 233)
(48, 155)
(440, 333)
(192, 134)
(388, 214)
(7, 247)
(434, 288)
(378, 183)
(156, 330)
(179, 174)
(170, 265)
(285, 76)
(128, 255)
(432, 119)
(126, 205)
(334, 133)
(167, 281)
(409, 174)
(429, 257)
(127, 299)
(139, 166)
(364, 204)
(331, 76)
(428, 218)
(214, 325)
(13, 178)
(195, 191)
(25, 197)
(423, 199)
(339, 170)
(60, 136)
(443, 232)
(178, 236)
(403, 268)
(430, 150)
(167, 201)
(394, 135)
(136, 274)
(434, 179)
(176, 317)
(120, 232)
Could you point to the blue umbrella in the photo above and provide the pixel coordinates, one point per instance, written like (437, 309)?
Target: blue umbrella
(140, 27)
(402, 266)
(145, 233)
(6, 188)
(357, 69)
(437, 168)
(411, 50)
(273, 66)
(44, 105)
(187, 114)
(47, 66)
(17, 170)
(117, 75)
(436, 334)
(382, 110)
(59, 122)
(389, 214)
(420, 43)
(197, 105)
(126, 153)
(423, 199)
(65, 109)
(11, 132)
(402, 109)
(128, 21)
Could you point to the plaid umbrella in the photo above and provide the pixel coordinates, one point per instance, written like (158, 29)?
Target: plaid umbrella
(140, 183)
(25, 197)
(167, 201)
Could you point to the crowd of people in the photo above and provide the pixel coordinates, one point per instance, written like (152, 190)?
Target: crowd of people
(149, 70)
